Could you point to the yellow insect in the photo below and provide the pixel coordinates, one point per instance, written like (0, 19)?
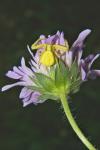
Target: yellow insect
(48, 56)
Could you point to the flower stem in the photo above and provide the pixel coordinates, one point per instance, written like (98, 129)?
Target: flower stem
(74, 124)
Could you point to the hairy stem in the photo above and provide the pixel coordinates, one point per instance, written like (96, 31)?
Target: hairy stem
(74, 124)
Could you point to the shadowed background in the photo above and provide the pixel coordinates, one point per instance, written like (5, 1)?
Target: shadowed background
(44, 127)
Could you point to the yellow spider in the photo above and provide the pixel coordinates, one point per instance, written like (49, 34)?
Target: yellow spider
(48, 57)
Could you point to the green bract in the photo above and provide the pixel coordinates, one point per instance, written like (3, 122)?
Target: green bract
(60, 79)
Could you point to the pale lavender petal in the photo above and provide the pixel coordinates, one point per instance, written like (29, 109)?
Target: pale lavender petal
(82, 36)
(88, 61)
(79, 55)
(26, 69)
(57, 41)
(26, 101)
(89, 58)
(68, 58)
(18, 71)
(78, 45)
(34, 63)
(83, 74)
(32, 99)
(58, 33)
(30, 51)
(34, 69)
(36, 56)
(34, 66)
(13, 75)
(6, 87)
(62, 41)
(28, 80)
(50, 39)
(25, 92)
(93, 60)
(93, 74)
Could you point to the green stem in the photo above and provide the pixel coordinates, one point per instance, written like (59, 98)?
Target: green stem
(74, 124)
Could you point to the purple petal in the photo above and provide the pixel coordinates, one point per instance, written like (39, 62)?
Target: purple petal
(83, 74)
(32, 99)
(18, 71)
(58, 33)
(62, 41)
(34, 64)
(68, 58)
(6, 87)
(26, 101)
(96, 56)
(82, 36)
(13, 75)
(27, 80)
(26, 70)
(77, 47)
(89, 58)
(30, 51)
(89, 61)
(93, 74)
(50, 39)
(25, 92)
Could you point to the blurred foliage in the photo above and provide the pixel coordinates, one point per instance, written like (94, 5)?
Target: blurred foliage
(44, 127)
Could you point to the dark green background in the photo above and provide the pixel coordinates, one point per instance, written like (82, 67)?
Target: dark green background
(44, 127)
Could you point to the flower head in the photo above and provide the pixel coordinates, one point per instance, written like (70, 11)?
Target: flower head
(53, 69)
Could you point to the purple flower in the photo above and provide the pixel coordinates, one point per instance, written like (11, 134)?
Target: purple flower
(39, 82)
